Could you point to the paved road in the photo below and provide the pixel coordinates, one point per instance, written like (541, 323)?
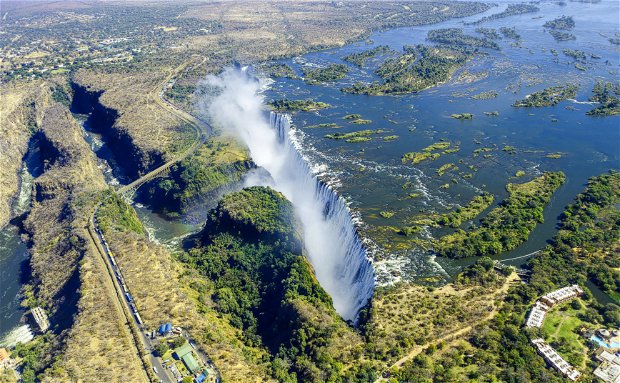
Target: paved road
(141, 340)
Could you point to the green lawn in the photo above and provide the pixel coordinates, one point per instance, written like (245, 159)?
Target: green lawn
(561, 329)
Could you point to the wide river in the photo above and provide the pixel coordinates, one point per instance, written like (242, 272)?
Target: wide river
(370, 174)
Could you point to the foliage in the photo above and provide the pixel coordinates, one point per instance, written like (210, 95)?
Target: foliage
(561, 36)
(510, 33)
(216, 165)
(354, 136)
(251, 254)
(489, 33)
(606, 95)
(511, 10)
(506, 226)
(455, 36)
(360, 58)
(575, 54)
(462, 116)
(563, 22)
(432, 152)
(278, 70)
(500, 350)
(297, 105)
(420, 67)
(115, 213)
(330, 73)
(549, 96)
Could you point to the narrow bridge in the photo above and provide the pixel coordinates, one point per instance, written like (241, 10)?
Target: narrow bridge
(201, 130)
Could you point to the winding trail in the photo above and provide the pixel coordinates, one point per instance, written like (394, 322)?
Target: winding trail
(452, 336)
(142, 345)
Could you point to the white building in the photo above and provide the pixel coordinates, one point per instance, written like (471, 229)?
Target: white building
(555, 360)
(537, 315)
(561, 295)
(609, 370)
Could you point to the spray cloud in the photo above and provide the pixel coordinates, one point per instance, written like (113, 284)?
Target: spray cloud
(333, 247)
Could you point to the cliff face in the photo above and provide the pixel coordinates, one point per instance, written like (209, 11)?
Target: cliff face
(134, 159)
(20, 109)
(198, 182)
(127, 111)
(68, 278)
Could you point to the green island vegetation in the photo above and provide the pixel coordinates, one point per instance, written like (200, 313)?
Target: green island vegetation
(614, 40)
(324, 125)
(330, 73)
(360, 121)
(549, 96)
(115, 214)
(605, 94)
(500, 349)
(251, 256)
(466, 76)
(390, 138)
(506, 226)
(509, 149)
(419, 68)
(297, 105)
(471, 210)
(492, 113)
(360, 58)
(554, 156)
(353, 137)
(511, 10)
(489, 33)
(278, 70)
(431, 152)
(485, 95)
(563, 22)
(443, 169)
(510, 33)
(561, 36)
(519, 174)
(352, 117)
(203, 176)
(456, 37)
(462, 116)
(575, 54)
(386, 214)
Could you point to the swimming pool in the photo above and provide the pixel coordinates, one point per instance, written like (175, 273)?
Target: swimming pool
(601, 342)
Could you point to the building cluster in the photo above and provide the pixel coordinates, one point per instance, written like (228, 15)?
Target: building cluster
(546, 302)
(609, 369)
(555, 360)
(536, 318)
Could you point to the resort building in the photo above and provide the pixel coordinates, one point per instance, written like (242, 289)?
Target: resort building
(561, 295)
(40, 317)
(555, 360)
(609, 369)
(537, 315)
(185, 353)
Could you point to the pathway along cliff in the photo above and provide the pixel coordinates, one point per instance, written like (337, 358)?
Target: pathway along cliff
(202, 130)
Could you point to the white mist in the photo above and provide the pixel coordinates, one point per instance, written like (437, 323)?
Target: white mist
(332, 244)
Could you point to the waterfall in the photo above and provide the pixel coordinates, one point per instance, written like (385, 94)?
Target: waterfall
(233, 102)
(334, 248)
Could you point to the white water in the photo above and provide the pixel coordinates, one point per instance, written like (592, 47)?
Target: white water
(20, 334)
(330, 238)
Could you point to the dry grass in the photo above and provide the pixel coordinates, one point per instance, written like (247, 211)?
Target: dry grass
(410, 316)
(133, 95)
(165, 292)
